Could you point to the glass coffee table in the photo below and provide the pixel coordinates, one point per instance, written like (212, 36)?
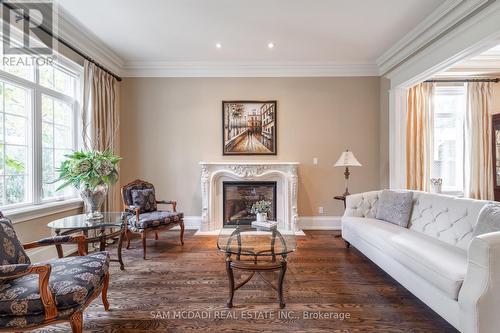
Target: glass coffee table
(111, 225)
(255, 251)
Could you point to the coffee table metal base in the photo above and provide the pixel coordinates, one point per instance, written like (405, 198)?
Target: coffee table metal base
(255, 267)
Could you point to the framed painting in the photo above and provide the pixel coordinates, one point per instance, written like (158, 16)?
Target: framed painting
(249, 128)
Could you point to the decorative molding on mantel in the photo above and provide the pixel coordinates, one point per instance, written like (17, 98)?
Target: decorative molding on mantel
(284, 173)
(225, 69)
(248, 163)
(436, 26)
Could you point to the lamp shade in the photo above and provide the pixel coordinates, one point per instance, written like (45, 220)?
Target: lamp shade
(347, 159)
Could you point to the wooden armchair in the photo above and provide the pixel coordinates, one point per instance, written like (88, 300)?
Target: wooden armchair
(139, 198)
(36, 295)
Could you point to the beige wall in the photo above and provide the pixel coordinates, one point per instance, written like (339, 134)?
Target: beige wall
(168, 125)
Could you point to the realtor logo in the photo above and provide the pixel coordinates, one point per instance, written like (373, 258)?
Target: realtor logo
(32, 18)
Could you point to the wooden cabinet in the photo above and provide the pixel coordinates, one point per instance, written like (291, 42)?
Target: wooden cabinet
(496, 155)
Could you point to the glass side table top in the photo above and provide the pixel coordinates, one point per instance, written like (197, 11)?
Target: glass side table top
(245, 240)
(111, 219)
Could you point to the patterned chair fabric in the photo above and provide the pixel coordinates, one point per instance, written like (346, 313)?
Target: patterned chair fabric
(11, 249)
(32, 320)
(72, 281)
(145, 200)
(127, 191)
(153, 219)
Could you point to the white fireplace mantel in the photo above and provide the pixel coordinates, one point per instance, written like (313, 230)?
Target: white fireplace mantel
(214, 173)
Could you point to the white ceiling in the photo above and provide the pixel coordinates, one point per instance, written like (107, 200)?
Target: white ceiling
(304, 32)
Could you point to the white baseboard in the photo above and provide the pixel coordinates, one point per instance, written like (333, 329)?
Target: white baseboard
(192, 222)
(319, 222)
(305, 222)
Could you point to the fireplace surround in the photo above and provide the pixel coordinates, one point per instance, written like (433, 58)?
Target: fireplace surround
(213, 174)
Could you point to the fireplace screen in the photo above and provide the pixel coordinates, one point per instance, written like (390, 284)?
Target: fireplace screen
(238, 198)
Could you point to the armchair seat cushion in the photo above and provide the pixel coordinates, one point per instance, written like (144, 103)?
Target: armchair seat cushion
(154, 219)
(72, 281)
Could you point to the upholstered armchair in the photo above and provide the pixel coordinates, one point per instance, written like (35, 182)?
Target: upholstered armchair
(59, 290)
(139, 198)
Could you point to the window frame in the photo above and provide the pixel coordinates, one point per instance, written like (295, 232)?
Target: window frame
(34, 138)
(451, 89)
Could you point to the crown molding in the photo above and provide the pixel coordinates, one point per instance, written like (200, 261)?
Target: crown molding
(213, 69)
(443, 20)
(71, 30)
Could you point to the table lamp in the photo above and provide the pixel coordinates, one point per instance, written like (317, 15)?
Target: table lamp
(347, 159)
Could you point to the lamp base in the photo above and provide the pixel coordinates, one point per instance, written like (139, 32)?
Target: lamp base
(346, 193)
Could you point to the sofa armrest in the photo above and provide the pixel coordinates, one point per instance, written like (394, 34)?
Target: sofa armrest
(479, 297)
(43, 272)
(362, 204)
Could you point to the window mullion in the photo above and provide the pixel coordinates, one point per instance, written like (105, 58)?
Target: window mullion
(37, 148)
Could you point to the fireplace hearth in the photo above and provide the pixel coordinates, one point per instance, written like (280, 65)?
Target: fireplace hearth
(238, 198)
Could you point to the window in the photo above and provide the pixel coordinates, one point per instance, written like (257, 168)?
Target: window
(448, 138)
(38, 126)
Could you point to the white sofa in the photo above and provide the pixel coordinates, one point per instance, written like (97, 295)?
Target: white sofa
(436, 258)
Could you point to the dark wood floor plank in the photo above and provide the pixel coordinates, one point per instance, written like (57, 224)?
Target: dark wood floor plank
(323, 276)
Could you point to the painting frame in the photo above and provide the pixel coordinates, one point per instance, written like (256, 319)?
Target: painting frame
(228, 150)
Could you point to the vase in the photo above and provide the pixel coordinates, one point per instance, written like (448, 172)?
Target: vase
(93, 199)
(261, 217)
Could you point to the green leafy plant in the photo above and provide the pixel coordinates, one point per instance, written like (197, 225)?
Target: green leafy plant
(262, 206)
(88, 168)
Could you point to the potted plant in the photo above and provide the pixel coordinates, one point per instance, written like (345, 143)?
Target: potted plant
(260, 209)
(90, 172)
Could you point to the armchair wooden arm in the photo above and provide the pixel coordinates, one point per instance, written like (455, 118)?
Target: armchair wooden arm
(170, 202)
(134, 210)
(58, 240)
(43, 272)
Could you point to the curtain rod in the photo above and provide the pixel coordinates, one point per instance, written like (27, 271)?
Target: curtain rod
(65, 43)
(463, 80)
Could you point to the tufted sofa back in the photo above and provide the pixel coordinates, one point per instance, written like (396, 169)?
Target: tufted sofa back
(446, 218)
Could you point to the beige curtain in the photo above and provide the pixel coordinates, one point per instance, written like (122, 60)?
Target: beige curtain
(478, 150)
(419, 136)
(100, 119)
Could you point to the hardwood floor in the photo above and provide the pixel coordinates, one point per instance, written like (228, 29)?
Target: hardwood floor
(323, 276)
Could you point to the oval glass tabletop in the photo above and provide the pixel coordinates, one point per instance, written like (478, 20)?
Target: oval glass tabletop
(245, 240)
(111, 219)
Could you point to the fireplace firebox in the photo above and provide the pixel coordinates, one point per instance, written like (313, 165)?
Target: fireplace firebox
(238, 198)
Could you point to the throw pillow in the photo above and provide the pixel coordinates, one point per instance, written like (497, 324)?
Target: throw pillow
(145, 199)
(488, 220)
(11, 249)
(395, 207)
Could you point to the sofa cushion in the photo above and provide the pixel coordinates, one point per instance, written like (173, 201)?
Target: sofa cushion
(488, 220)
(11, 250)
(439, 263)
(154, 219)
(144, 199)
(395, 207)
(446, 218)
(72, 281)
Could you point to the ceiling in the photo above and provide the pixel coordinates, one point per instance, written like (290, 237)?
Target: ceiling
(304, 32)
